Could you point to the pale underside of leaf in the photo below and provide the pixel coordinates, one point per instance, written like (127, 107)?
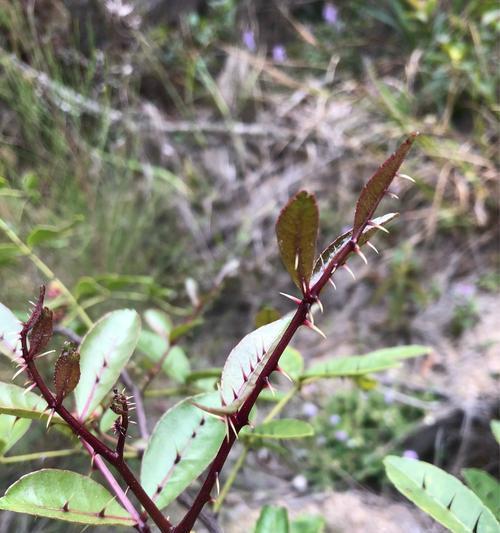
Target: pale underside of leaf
(247, 360)
(104, 352)
(183, 443)
(10, 328)
(441, 495)
(297, 232)
(334, 248)
(64, 495)
(378, 185)
(12, 429)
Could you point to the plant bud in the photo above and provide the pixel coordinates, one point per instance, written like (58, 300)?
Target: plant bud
(41, 332)
(67, 371)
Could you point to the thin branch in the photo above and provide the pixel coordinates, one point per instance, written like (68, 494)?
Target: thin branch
(139, 404)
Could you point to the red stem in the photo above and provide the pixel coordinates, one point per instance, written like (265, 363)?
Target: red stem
(81, 431)
(240, 419)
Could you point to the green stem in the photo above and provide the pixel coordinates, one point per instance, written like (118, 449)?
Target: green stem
(45, 270)
(39, 455)
(276, 410)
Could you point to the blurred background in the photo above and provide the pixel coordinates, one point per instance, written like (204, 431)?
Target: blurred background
(146, 148)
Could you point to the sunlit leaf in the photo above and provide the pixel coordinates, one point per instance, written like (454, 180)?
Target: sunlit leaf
(272, 519)
(440, 495)
(12, 429)
(378, 184)
(247, 360)
(182, 445)
(297, 232)
(176, 365)
(16, 401)
(292, 362)
(65, 496)
(334, 248)
(266, 315)
(486, 488)
(159, 322)
(358, 365)
(283, 428)
(104, 352)
(10, 328)
(308, 524)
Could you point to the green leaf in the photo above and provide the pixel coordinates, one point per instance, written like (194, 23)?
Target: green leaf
(378, 184)
(104, 352)
(283, 428)
(486, 488)
(495, 428)
(334, 248)
(183, 329)
(159, 322)
(308, 524)
(107, 420)
(11, 430)
(272, 519)
(182, 445)
(10, 328)
(64, 495)
(297, 232)
(292, 362)
(358, 365)
(152, 345)
(176, 365)
(16, 401)
(44, 234)
(247, 360)
(266, 315)
(8, 253)
(440, 495)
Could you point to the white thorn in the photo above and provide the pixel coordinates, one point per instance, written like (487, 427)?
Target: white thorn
(320, 305)
(232, 427)
(314, 328)
(296, 266)
(49, 419)
(405, 177)
(20, 371)
(331, 282)
(30, 388)
(377, 226)
(358, 251)
(372, 246)
(290, 297)
(217, 483)
(345, 267)
(392, 195)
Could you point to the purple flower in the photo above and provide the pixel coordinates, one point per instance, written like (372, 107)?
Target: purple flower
(330, 14)
(279, 53)
(309, 409)
(335, 420)
(249, 40)
(464, 290)
(341, 435)
(389, 396)
(410, 454)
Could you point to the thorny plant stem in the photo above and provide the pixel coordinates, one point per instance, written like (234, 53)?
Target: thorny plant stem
(81, 431)
(26, 250)
(240, 418)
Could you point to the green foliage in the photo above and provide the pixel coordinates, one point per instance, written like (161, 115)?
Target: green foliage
(354, 432)
(284, 428)
(183, 443)
(12, 429)
(486, 488)
(10, 328)
(357, 365)
(104, 352)
(441, 495)
(18, 402)
(275, 519)
(66, 496)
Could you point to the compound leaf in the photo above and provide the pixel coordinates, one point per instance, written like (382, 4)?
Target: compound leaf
(440, 495)
(183, 443)
(297, 232)
(64, 495)
(357, 365)
(104, 352)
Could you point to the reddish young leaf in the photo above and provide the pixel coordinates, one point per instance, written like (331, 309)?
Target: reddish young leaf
(41, 332)
(297, 232)
(377, 186)
(67, 371)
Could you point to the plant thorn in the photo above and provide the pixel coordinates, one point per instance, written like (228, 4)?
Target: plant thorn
(269, 386)
(20, 371)
(281, 371)
(357, 251)
(49, 419)
(372, 246)
(345, 267)
(377, 226)
(296, 265)
(217, 484)
(314, 328)
(405, 177)
(290, 297)
(232, 426)
(392, 195)
(331, 282)
(30, 388)
(320, 305)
